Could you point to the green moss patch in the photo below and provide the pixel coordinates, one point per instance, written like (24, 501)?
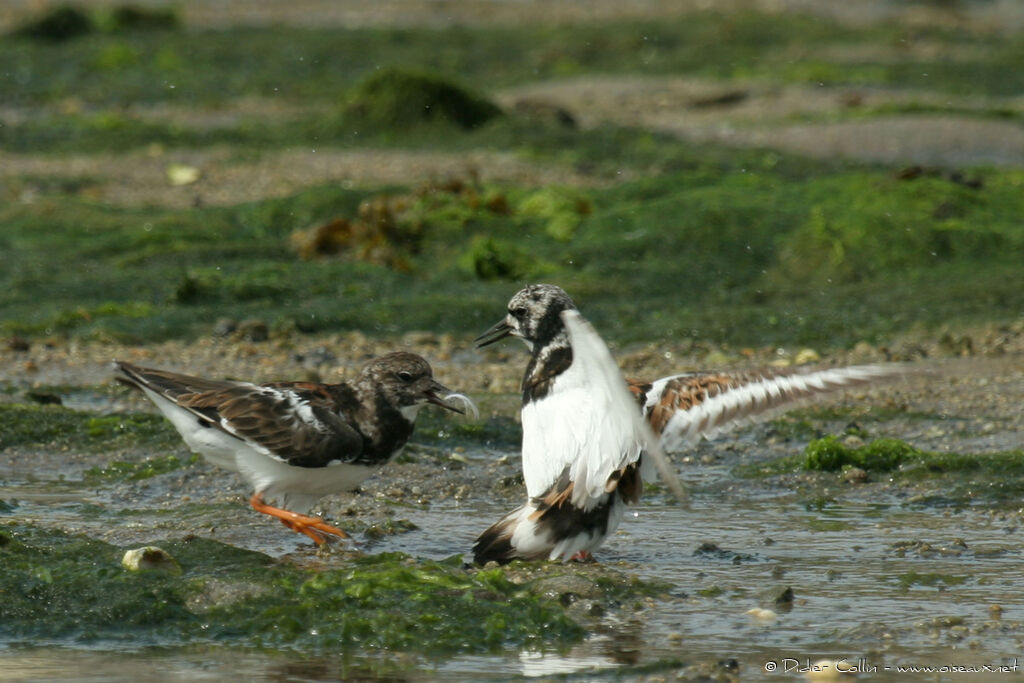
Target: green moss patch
(439, 429)
(996, 478)
(929, 580)
(446, 257)
(26, 425)
(62, 587)
(831, 455)
(118, 470)
(226, 64)
(393, 99)
(67, 22)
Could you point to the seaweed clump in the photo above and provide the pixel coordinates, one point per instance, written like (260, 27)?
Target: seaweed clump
(396, 99)
(882, 455)
(62, 23)
(72, 588)
(67, 22)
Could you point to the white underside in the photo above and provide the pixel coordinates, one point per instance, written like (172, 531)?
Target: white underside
(294, 488)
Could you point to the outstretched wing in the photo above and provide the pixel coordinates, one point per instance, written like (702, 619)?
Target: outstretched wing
(683, 408)
(615, 413)
(587, 431)
(295, 423)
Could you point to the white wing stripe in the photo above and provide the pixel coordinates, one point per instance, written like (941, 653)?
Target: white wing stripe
(733, 407)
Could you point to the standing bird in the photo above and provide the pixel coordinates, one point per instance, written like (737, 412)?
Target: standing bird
(295, 442)
(584, 455)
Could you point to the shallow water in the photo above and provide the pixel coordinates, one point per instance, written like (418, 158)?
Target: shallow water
(856, 595)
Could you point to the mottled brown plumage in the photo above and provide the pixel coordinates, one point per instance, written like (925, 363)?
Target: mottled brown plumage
(679, 410)
(297, 441)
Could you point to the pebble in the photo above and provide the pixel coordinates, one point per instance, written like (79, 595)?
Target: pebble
(252, 330)
(829, 670)
(762, 614)
(804, 356)
(853, 441)
(855, 475)
(150, 558)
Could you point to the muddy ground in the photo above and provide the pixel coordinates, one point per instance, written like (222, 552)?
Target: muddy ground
(817, 533)
(970, 402)
(901, 572)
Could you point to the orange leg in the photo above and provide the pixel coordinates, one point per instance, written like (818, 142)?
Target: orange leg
(583, 556)
(303, 524)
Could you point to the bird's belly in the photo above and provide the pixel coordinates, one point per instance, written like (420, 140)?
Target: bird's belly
(298, 488)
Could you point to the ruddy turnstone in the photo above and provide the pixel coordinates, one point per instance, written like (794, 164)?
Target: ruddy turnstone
(295, 442)
(584, 457)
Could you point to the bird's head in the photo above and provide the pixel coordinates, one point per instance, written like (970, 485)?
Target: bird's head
(534, 315)
(406, 382)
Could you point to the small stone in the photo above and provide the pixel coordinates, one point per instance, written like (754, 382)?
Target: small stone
(855, 475)
(44, 398)
(995, 611)
(150, 558)
(567, 588)
(853, 441)
(829, 670)
(804, 356)
(863, 349)
(763, 615)
(16, 343)
(221, 593)
(224, 327)
(785, 597)
(252, 330)
(182, 174)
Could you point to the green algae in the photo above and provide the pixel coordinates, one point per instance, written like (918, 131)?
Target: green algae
(68, 588)
(882, 455)
(773, 47)
(887, 455)
(395, 99)
(51, 425)
(995, 478)
(119, 470)
(440, 429)
(711, 592)
(929, 579)
(729, 224)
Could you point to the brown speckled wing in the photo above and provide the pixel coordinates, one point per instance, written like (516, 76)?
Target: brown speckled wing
(295, 423)
(686, 391)
(683, 408)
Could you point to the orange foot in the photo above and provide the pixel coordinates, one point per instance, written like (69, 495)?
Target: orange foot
(303, 524)
(582, 556)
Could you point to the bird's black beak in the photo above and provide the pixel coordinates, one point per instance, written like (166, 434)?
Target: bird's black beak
(435, 393)
(496, 333)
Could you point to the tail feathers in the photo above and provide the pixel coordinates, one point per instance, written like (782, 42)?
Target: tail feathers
(495, 544)
(168, 384)
(538, 531)
(128, 374)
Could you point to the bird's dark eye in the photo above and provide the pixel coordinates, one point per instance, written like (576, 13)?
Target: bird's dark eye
(405, 376)
(518, 313)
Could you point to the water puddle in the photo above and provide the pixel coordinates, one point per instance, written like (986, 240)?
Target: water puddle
(872, 579)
